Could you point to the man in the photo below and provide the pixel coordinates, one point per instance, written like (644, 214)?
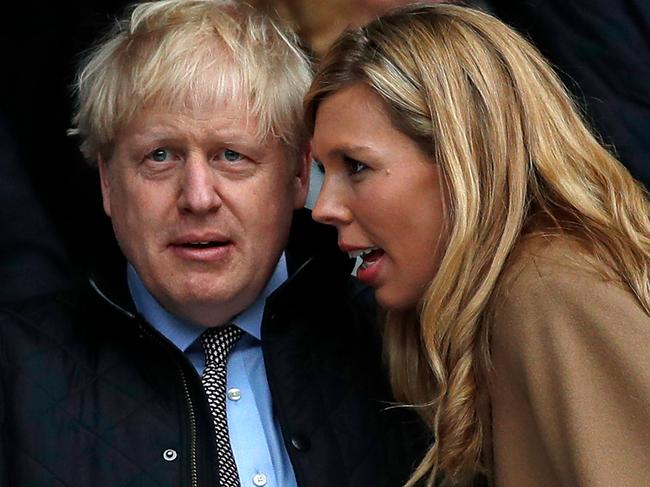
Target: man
(231, 347)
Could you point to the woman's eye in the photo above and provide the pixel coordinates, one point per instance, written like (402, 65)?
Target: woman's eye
(232, 156)
(319, 166)
(358, 167)
(159, 155)
(354, 166)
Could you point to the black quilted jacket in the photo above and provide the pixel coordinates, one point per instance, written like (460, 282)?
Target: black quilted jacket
(92, 396)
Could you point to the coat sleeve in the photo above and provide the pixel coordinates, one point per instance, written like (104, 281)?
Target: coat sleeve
(571, 365)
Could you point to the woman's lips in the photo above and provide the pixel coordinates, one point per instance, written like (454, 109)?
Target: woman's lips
(370, 267)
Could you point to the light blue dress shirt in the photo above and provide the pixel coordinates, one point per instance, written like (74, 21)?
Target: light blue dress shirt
(255, 435)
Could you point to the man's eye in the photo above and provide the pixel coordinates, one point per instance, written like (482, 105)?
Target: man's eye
(232, 156)
(159, 155)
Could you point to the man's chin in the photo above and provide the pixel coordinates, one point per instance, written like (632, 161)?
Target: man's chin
(206, 309)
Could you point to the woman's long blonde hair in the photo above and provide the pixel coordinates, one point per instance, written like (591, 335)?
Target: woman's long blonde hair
(514, 154)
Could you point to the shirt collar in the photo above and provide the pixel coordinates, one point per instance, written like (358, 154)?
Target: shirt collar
(250, 320)
(183, 333)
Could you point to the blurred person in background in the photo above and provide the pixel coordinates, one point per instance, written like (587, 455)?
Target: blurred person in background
(319, 23)
(601, 49)
(509, 248)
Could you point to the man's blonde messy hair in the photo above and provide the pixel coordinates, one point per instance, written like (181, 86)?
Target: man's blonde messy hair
(516, 159)
(186, 55)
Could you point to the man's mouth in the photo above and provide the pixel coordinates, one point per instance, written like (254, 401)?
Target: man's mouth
(204, 245)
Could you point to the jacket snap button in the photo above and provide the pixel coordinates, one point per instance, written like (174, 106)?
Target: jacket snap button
(300, 443)
(170, 455)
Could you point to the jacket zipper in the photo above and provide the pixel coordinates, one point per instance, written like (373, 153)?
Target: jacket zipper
(194, 471)
(186, 389)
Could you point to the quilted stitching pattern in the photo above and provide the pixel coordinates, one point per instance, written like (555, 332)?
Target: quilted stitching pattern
(82, 410)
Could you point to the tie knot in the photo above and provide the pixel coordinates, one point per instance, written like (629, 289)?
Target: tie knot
(217, 343)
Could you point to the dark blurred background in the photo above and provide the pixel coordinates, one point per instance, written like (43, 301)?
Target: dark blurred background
(51, 220)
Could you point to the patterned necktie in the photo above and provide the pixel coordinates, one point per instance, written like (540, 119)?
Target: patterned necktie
(217, 343)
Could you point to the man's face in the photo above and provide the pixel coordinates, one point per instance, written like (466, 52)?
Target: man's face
(201, 208)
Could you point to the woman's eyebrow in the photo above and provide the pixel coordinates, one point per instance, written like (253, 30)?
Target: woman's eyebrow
(353, 148)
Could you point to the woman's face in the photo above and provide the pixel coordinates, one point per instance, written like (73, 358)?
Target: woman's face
(383, 194)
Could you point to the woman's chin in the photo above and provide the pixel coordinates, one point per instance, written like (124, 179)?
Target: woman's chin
(395, 300)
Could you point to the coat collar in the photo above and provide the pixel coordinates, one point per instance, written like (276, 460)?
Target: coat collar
(311, 251)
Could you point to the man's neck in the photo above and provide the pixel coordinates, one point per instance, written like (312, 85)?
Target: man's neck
(183, 332)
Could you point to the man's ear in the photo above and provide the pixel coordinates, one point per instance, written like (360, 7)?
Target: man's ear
(105, 184)
(301, 178)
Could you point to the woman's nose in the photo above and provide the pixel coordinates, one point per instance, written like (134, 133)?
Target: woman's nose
(331, 206)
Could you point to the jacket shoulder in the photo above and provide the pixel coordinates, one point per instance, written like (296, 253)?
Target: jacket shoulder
(47, 313)
(555, 286)
(549, 265)
(568, 336)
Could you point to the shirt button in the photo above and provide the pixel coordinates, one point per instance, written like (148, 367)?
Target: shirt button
(234, 394)
(259, 480)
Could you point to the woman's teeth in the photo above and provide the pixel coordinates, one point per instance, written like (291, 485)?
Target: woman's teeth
(368, 256)
(360, 253)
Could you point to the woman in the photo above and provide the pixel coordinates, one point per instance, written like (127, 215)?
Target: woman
(509, 248)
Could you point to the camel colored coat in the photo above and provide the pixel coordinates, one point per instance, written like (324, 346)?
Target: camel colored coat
(570, 385)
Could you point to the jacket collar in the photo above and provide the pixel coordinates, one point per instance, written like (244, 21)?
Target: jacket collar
(311, 252)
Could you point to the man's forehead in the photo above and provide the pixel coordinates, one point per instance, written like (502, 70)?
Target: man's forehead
(227, 120)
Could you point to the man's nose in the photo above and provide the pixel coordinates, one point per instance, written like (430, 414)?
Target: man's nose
(198, 191)
(331, 206)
